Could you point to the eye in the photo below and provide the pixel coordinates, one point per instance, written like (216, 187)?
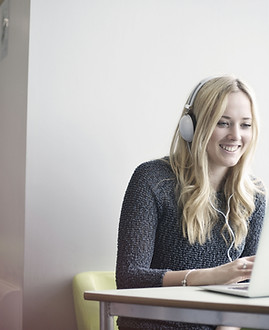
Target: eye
(223, 123)
(246, 125)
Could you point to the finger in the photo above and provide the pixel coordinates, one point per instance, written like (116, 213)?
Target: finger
(246, 266)
(250, 258)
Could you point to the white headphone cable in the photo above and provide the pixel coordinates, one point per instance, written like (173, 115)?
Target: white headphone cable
(227, 223)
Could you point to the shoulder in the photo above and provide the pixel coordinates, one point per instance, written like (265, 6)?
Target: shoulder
(258, 184)
(154, 175)
(260, 191)
(156, 170)
(161, 164)
(259, 200)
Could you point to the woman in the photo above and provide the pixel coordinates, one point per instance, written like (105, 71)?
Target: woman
(194, 218)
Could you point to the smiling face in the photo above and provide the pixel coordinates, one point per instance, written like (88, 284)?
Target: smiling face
(231, 136)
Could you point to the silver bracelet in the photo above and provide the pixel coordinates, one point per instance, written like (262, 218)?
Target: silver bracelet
(184, 282)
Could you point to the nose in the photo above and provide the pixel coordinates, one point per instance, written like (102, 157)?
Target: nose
(235, 133)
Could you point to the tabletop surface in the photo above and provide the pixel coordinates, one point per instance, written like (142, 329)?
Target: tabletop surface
(182, 297)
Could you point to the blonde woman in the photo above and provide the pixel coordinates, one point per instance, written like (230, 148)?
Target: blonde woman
(194, 218)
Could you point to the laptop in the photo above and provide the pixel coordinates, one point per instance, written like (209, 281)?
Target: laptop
(258, 286)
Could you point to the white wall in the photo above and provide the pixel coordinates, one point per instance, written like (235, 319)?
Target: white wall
(107, 81)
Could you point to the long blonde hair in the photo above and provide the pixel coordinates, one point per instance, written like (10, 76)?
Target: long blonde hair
(190, 165)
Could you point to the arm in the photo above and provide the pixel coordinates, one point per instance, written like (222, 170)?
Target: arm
(136, 238)
(255, 226)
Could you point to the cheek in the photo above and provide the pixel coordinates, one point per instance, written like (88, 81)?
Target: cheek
(248, 138)
(211, 147)
(213, 139)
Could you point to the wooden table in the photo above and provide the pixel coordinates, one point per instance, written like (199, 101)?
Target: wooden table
(181, 304)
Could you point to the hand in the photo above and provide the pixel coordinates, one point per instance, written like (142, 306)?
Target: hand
(232, 272)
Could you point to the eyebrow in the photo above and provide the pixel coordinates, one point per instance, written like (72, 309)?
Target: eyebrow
(245, 118)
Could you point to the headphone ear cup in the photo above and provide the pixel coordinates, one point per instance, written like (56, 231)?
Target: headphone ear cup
(186, 127)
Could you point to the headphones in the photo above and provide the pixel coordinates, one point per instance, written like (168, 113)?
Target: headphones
(188, 122)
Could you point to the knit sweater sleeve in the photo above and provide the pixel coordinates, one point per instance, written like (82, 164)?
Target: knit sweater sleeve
(137, 229)
(255, 226)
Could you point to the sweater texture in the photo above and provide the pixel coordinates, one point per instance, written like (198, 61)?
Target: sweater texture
(151, 242)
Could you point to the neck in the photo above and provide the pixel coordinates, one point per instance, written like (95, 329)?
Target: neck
(216, 177)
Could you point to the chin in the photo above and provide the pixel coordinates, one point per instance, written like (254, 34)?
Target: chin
(231, 164)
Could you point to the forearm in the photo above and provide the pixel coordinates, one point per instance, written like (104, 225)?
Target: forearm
(235, 271)
(194, 278)
(221, 327)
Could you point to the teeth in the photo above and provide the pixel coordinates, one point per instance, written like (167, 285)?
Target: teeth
(229, 148)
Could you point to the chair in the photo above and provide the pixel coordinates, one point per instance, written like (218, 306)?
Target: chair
(87, 312)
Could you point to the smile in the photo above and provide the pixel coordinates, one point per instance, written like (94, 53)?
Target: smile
(230, 148)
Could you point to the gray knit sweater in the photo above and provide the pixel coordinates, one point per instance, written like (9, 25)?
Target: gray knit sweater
(150, 239)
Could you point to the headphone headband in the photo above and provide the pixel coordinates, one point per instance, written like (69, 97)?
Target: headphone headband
(191, 98)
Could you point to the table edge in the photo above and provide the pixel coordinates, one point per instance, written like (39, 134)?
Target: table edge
(166, 302)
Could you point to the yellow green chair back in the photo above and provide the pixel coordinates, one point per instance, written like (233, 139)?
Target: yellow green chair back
(87, 312)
